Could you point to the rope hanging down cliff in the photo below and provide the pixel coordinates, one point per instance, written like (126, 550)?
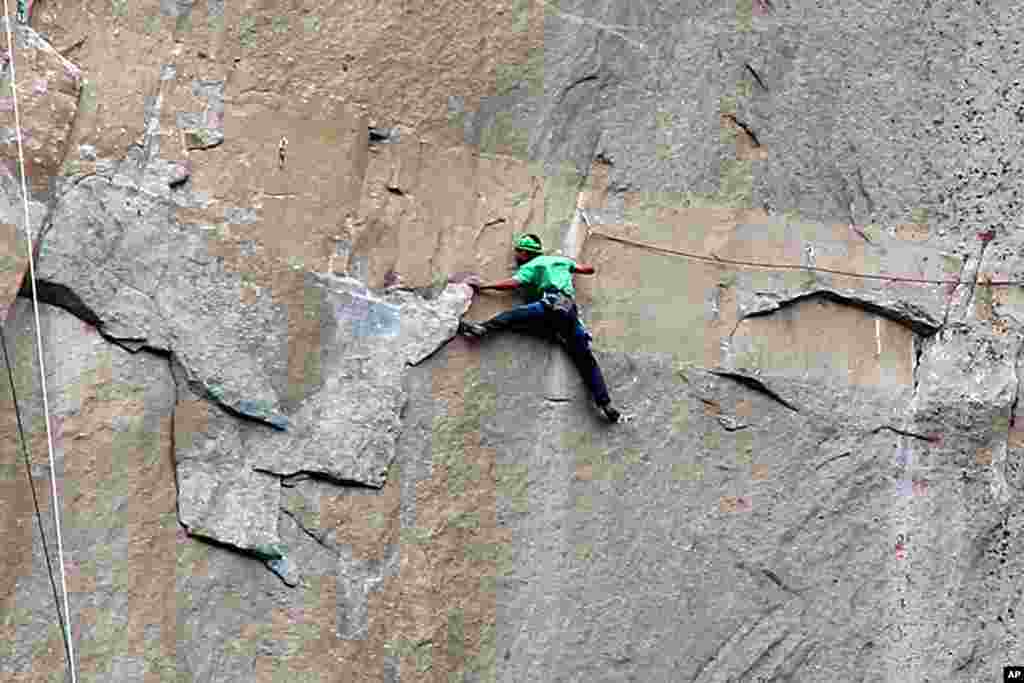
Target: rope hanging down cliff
(32, 485)
(54, 501)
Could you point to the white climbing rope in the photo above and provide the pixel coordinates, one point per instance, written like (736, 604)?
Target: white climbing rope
(39, 345)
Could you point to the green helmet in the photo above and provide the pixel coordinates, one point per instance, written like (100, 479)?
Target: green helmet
(530, 243)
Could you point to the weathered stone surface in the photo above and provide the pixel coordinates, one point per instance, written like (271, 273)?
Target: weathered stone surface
(14, 265)
(820, 340)
(152, 282)
(219, 495)
(809, 517)
(111, 415)
(48, 90)
(347, 430)
(205, 129)
(414, 208)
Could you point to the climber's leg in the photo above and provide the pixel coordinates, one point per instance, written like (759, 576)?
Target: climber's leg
(577, 343)
(524, 318)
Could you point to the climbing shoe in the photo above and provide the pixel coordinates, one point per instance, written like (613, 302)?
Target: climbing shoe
(470, 329)
(610, 413)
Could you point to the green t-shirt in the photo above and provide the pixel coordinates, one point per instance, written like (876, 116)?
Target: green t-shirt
(546, 272)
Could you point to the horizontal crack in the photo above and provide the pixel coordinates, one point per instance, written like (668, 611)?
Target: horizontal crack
(918, 326)
(756, 385)
(288, 480)
(922, 437)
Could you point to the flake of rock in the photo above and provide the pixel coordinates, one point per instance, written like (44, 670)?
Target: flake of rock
(122, 255)
(347, 430)
(966, 379)
(220, 496)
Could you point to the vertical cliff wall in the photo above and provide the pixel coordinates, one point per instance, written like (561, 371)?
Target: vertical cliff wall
(276, 459)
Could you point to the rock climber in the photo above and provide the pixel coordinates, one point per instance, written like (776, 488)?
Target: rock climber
(552, 312)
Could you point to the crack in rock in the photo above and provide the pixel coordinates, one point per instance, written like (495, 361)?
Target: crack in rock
(756, 76)
(916, 319)
(758, 572)
(918, 350)
(756, 385)
(290, 479)
(318, 539)
(832, 459)
(61, 296)
(1016, 391)
(263, 553)
(921, 437)
(744, 127)
(579, 81)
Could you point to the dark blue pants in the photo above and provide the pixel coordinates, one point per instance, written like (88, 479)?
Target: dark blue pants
(565, 328)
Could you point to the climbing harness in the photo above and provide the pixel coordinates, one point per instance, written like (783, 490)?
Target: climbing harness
(560, 302)
(55, 503)
(557, 301)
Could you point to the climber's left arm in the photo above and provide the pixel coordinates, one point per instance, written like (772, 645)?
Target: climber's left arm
(507, 284)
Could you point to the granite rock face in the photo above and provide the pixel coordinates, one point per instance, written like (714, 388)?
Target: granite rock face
(117, 255)
(14, 263)
(265, 212)
(348, 429)
(111, 416)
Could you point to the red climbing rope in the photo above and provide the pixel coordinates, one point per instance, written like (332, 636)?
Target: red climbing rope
(983, 236)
